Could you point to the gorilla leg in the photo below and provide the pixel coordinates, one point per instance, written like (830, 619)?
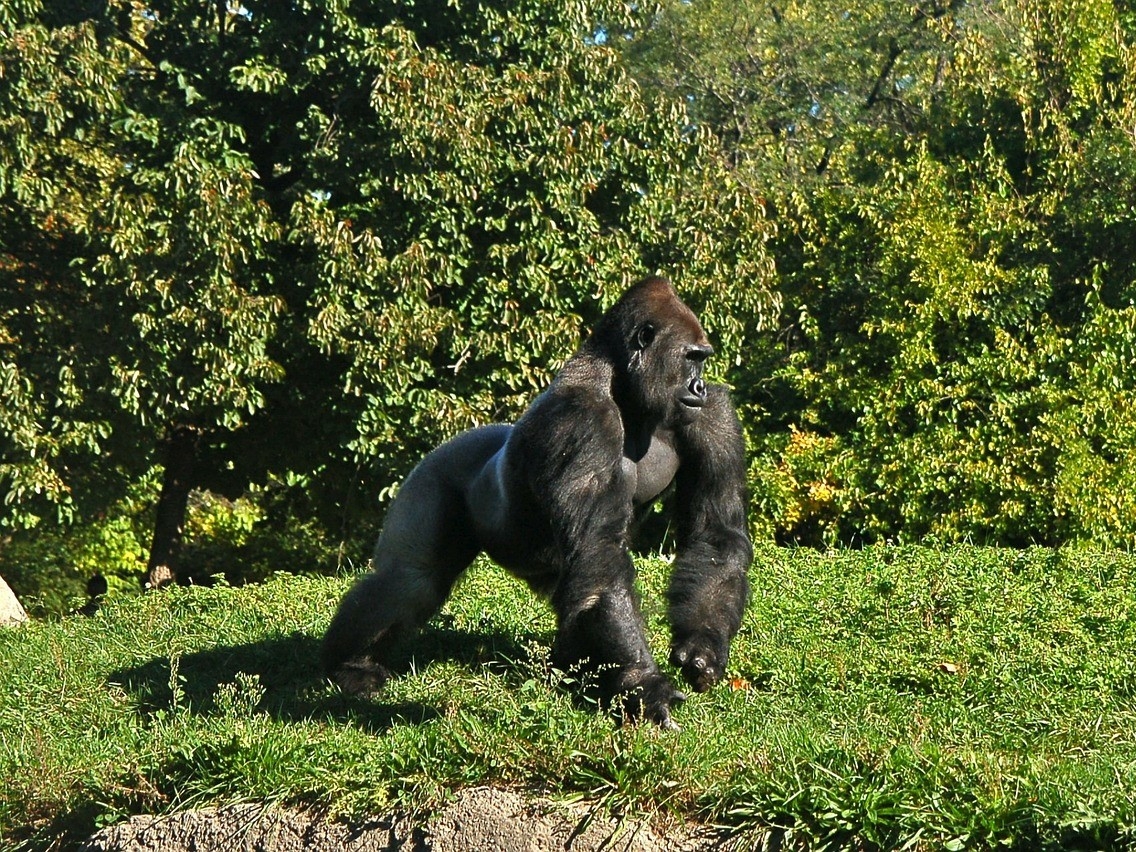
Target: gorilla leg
(708, 587)
(389, 604)
(425, 546)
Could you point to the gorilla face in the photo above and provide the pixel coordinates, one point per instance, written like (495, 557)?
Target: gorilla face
(668, 352)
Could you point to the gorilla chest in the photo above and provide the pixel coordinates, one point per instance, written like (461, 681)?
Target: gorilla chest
(648, 472)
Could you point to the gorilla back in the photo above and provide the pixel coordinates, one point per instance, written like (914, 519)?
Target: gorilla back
(553, 498)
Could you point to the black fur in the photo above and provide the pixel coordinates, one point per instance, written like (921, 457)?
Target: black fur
(553, 499)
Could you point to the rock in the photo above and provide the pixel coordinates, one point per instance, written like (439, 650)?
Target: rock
(10, 610)
(243, 828)
(478, 820)
(490, 820)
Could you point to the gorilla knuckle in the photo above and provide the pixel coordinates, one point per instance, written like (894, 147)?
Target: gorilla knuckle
(650, 699)
(702, 661)
(360, 677)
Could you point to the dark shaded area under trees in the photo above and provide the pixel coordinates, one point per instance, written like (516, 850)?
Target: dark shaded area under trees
(311, 242)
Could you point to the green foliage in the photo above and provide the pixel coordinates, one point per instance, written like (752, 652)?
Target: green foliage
(48, 568)
(952, 190)
(794, 486)
(894, 697)
(51, 168)
(229, 541)
(324, 237)
(253, 537)
(513, 188)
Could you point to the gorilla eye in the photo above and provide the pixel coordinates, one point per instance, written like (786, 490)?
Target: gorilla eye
(645, 335)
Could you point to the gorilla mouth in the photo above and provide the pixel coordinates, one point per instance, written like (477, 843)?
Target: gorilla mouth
(694, 395)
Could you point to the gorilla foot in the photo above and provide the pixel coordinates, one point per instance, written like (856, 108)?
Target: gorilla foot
(701, 662)
(360, 677)
(649, 699)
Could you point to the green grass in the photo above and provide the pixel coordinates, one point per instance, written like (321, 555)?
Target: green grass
(967, 698)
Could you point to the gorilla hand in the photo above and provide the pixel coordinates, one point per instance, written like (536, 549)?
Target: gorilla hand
(650, 697)
(702, 658)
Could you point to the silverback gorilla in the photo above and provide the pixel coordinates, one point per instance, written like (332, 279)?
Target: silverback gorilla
(554, 499)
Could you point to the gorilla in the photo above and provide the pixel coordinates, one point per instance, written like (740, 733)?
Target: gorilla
(555, 498)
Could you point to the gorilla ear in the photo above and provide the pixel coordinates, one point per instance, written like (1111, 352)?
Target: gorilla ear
(644, 336)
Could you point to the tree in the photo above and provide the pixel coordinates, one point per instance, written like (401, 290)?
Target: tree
(52, 172)
(152, 313)
(320, 238)
(951, 185)
(789, 86)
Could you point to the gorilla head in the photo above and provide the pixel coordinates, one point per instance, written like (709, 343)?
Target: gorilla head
(660, 346)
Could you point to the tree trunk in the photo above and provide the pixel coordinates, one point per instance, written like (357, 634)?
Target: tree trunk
(169, 525)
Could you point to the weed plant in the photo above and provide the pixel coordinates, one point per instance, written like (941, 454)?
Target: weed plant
(882, 699)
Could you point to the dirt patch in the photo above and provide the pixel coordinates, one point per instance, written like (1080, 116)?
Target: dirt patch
(478, 820)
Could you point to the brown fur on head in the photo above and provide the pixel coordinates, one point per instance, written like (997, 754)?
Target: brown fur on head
(652, 300)
(656, 346)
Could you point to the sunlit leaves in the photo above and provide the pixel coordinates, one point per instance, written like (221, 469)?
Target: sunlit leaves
(335, 234)
(186, 252)
(513, 182)
(951, 186)
(133, 254)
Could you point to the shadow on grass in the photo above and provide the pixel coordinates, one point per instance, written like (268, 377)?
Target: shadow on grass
(295, 689)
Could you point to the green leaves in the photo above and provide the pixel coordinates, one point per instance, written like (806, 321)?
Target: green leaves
(329, 236)
(952, 205)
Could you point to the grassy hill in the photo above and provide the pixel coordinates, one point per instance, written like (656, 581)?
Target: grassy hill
(959, 699)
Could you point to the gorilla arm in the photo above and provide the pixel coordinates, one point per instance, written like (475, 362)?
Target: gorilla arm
(585, 494)
(708, 586)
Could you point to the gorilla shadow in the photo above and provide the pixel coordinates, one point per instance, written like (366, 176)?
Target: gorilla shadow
(295, 690)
